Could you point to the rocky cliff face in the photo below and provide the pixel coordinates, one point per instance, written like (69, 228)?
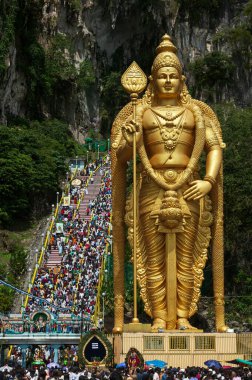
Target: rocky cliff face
(61, 51)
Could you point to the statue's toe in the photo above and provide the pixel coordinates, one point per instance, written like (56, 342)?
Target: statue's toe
(183, 324)
(158, 323)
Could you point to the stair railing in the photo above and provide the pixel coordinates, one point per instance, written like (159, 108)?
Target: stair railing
(101, 277)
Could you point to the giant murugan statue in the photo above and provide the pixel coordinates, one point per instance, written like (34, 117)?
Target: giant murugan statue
(178, 213)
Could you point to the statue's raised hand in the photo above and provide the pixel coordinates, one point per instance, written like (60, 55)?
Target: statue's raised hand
(128, 130)
(197, 190)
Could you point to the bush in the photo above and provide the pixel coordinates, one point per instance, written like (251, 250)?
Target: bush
(212, 72)
(86, 76)
(11, 270)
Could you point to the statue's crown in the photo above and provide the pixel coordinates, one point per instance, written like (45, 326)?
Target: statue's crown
(166, 45)
(166, 55)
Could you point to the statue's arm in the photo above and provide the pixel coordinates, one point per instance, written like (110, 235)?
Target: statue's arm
(200, 188)
(213, 153)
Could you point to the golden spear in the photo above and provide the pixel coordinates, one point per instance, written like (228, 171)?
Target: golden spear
(134, 81)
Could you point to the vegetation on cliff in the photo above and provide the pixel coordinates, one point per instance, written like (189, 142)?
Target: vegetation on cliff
(32, 165)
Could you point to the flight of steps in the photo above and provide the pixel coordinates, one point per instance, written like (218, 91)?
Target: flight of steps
(93, 190)
(54, 258)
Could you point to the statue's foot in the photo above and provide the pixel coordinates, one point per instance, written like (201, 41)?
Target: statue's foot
(158, 323)
(183, 324)
(222, 329)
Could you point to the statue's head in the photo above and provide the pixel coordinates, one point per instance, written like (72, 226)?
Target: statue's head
(166, 72)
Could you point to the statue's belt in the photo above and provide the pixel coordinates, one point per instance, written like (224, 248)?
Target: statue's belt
(170, 176)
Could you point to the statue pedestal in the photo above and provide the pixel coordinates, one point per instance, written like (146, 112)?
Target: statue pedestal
(146, 327)
(178, 348)
(136, 327)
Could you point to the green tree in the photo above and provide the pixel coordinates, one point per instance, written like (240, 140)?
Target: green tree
(59, 65)
(86, 76)
(236, 125)
(113, 97)
(212, 73)
(32, 163)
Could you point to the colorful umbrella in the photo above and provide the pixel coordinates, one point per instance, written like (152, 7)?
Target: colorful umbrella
(240, 361)
(213, 363)
(156, 363)
(121, 365)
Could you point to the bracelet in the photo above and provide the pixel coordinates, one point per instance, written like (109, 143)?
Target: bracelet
(210, 179)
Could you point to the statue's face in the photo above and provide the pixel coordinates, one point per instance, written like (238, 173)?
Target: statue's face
(167, 82)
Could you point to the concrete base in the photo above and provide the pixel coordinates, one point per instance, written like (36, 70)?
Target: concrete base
(146, 327)
(178, 347)
(136, 327)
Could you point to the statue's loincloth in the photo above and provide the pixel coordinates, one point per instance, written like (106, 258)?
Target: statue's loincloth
(150, 196)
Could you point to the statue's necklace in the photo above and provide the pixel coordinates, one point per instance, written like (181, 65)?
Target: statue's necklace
(170, 132)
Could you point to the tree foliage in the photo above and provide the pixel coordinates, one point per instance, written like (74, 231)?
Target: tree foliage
(32, 162)
(212, 73)
(86, 77)
(7, 30)
(236, 125)
(11, 271)
(113, 97)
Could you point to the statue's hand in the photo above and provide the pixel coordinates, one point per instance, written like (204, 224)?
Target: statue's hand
(197, 190)
(128, 130)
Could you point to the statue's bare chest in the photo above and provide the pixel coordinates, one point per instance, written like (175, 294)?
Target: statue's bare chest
(168, 119)
(168, 128)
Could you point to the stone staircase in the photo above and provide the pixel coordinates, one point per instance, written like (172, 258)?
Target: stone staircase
(93, 190)
(54, 258)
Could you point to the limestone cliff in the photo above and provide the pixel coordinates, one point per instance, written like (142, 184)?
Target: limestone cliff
(57, 53)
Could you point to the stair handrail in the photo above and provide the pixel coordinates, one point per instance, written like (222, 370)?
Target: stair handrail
(101, 277)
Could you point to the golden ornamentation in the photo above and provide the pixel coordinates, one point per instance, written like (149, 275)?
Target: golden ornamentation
(170, 132)
(172, 227)
(166, 55)
(210, 179)
(134, 80)
(170, 214)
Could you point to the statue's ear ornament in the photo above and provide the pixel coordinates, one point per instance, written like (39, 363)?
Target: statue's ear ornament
(184, 95)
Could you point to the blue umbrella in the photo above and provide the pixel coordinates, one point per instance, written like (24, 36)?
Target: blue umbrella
(156, 363)
(213, 363)
(121, 365)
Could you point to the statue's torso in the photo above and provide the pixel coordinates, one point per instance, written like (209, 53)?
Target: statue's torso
(169, 135)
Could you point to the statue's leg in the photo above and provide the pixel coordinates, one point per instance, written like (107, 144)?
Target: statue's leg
(185, 276)
(155, 247)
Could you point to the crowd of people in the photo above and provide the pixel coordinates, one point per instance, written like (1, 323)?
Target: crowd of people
(76, 372)
(71, 286)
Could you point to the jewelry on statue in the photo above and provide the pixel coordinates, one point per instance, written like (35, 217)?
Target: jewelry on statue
(169, 116)
(210, 179)
(170, 132)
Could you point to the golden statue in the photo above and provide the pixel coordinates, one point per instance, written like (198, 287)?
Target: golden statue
(177, 212)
